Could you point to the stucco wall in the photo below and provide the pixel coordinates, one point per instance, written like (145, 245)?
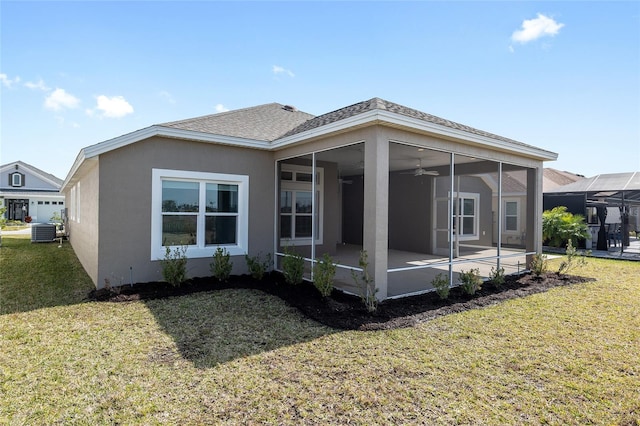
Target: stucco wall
(83, 231)
(125, 210)
(410, 212)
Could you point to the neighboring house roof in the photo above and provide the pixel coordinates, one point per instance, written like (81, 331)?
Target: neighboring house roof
(605, 182)
(605, 186)
(274, 126)
(46, 178)
(553, 178)
(34, 170)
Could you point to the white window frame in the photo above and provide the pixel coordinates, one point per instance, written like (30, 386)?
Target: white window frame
(13, 179)
(504, 218)
(459, 198)
(199, 250)
(293, 186)
(74, 203)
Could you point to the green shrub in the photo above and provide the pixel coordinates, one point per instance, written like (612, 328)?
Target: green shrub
(441, 284)
(573, 260)
(221, 266)
(256, 266)
(497, 277)
(323, 275)
(365, 283)
(174, 265)
(539, 264)
(559, 227)
(471, 281)
(292, 267)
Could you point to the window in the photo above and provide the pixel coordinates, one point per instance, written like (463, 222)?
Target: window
(17, 179)
(202, 211)
(296, 205)
(465, 207)
(46, 203)
(74, 202)
(511, 217)
(40, 203)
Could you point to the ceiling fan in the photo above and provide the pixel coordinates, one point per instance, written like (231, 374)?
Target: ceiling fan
(419, 171)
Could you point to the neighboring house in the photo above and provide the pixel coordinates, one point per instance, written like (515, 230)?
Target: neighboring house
(617, 193)
(553, 178)
(26, 190)
(420, 194)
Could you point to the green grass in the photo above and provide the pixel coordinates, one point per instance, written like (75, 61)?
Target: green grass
(568, 356)
(39, 275)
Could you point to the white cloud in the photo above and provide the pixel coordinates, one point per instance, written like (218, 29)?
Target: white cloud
(59, 99)
(280, 70)
(221, 108)
(533, 29)
(39, 85)
(112, 107)
(166, 96)
(7, 82)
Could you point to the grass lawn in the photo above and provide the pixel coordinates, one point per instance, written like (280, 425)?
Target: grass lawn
(568, 356)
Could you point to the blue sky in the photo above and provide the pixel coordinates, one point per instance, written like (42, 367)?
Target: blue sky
(563, 76)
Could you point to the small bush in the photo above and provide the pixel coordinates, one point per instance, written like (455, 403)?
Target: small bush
(471, 281)
(221, 266)
(365, 283)
(257, 267)
(323, 275)
(441, 284)
(497, 277)
(539, 264)
(574, 259)
(292, 267)
(174, 265)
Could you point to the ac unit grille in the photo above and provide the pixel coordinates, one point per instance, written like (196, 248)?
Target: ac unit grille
(43, 233)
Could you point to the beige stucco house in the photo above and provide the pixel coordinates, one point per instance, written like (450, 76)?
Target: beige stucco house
(420, 194)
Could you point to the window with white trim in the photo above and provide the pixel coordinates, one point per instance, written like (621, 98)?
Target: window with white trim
(296, 208)
(199, 210)
(16, 179)
(511, 216)
(466, 218)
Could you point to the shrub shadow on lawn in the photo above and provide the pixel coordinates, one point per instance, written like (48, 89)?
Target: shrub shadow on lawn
(223, 321)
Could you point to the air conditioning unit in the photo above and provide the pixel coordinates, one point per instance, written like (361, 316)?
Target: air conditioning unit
(43, 233)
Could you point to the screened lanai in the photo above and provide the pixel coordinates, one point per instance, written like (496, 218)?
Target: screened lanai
(445, 213)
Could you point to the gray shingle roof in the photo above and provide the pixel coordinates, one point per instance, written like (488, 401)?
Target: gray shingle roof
(264, 122)
(381, 104)
(274, 121)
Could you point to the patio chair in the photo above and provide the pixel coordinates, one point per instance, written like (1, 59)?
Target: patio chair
(613, 234)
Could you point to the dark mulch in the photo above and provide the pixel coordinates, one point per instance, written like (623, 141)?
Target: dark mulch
(345, 311)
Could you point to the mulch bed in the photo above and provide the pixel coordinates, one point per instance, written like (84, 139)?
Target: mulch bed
(347, 312)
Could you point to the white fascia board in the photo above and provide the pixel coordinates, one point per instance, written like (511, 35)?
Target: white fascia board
(414, 123)
(74, 168)
(462, 135)
(33, 195)
(193, 135)
(345, 124)
(148, 132)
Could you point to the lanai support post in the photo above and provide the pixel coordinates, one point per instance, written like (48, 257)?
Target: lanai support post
(376, 210)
